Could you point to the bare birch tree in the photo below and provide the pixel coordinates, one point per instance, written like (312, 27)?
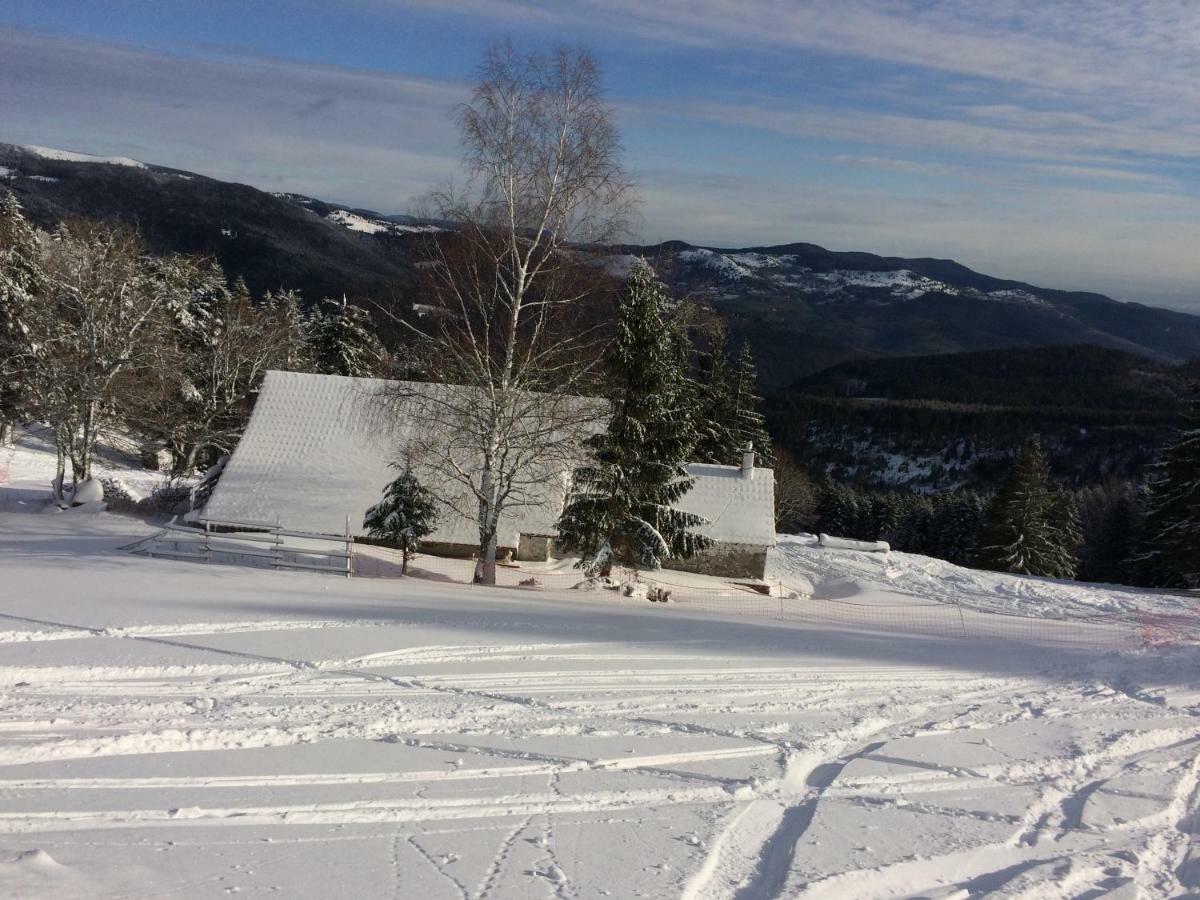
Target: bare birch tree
(509, 335)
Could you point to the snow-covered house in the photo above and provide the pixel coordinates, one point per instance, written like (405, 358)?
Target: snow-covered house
(312, 460)
(739, 504)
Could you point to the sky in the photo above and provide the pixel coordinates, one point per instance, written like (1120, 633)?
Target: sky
(1053, 142)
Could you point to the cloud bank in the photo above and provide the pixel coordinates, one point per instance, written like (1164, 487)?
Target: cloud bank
(1055, 143)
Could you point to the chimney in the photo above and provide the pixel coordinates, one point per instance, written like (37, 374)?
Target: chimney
(748, 461)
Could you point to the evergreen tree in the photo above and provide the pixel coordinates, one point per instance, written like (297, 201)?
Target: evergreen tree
(839, 511)
(963, 517)
(292, 327)
(887, 511)
(728, 411)
(407, 513)
(748, 424)
(915, 532)
(1169, 551)
(344, 340)
(1107, 513)
(223, 365)
(1032, 527)
(620, 507)
(715, 415)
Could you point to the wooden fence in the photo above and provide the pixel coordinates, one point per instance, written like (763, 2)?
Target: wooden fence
(261, 543)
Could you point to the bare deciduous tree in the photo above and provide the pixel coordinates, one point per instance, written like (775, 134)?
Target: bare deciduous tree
(509, 334)
(795, 494)
(97, 328)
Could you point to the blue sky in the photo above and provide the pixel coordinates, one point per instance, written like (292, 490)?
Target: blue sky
(1053, 142)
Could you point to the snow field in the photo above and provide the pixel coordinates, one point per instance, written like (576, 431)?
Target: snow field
(71, 156)
(179, 729)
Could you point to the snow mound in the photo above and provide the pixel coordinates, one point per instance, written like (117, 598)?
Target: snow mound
(836, 543)
(71, 156)
(838, 573)
(90, 491)
(38, 859)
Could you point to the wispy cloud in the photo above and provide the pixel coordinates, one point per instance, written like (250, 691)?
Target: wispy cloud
(1054, 142)
(1137, 47)
(332, 131)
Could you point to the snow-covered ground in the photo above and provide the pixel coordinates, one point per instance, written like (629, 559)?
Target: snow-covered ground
(72, 156)
(184, 730)
(355, 222)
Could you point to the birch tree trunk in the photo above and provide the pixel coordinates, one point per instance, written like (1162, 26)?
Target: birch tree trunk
(513, 334)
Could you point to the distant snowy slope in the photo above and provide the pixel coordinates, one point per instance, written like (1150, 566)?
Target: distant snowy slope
(373, 225)
(72, 156)
(355, 222)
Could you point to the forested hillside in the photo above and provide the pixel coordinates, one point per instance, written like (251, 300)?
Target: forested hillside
(938, 422)
(801, 307)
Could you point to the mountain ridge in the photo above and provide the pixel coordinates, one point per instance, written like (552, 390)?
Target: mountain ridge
(801, 306)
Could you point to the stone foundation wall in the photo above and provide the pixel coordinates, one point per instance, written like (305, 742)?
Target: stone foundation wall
(726, 560)
(453, 551)
(535, 548)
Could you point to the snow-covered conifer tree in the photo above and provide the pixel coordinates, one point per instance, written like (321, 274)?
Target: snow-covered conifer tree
(344, 340)
(748, 424)
(407, 513)
(225, 344)
(1032, 527)
(1169, 555)
(714, 412)
(291, 327)
(620, 508)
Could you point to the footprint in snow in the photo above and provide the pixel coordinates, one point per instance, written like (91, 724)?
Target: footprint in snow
(550, 873)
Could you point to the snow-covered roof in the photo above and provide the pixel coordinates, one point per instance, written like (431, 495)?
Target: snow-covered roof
(313, 457)
(740, 509)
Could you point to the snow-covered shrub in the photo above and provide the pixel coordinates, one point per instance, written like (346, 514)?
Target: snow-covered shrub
(120, 497)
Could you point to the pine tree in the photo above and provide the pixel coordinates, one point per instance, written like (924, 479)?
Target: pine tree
(620, 508)
(714, 415)
(748, 424)
(966, 513)
(839, 511)
(1169, 549)
(407, 513)
(344, 340)
(887, 513)
(1032, 527)
(1107, 513)
(914, 534)
(287, 319)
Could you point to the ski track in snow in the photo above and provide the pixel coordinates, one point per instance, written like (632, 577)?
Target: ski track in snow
(189, 731)
(755, 820)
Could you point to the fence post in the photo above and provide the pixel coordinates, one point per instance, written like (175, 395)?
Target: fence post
(349, 550)
(961, 620)
(207, 544)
